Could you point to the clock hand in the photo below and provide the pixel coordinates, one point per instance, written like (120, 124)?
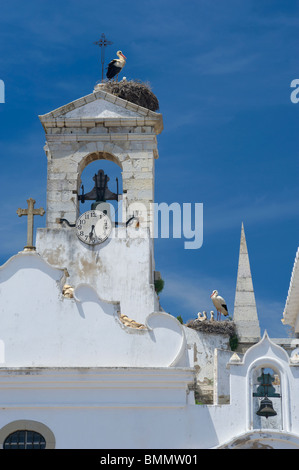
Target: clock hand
(91, 233)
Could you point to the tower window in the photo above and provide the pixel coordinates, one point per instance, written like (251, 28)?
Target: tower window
(24, 440)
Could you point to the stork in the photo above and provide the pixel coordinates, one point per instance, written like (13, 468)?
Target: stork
(202, 316)
(219, 303)
(116, 65)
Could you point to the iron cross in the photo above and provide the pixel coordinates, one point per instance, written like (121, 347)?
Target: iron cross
(30, 212)
(102, 43)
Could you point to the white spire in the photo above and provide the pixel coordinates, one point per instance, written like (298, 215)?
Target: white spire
(245, 313)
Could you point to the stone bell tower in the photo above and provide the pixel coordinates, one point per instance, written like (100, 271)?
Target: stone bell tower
(102, 126)
(99, 126)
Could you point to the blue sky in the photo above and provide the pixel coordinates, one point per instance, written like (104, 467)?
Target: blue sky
(222, 72)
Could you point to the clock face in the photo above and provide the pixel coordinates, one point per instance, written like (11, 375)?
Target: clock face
(93, 227)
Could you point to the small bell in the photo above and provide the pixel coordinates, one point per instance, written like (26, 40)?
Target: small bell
(266, 408)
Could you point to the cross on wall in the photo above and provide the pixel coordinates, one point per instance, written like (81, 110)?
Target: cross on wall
(30, 213)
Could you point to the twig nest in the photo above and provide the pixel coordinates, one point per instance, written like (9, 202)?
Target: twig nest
(134, 91)
(214, 327)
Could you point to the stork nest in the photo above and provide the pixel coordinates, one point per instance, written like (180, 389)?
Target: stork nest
(213, 327)
(134, 91)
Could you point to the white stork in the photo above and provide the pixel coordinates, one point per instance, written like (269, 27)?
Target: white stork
(219, 303)
(116, 65)
(202, 316)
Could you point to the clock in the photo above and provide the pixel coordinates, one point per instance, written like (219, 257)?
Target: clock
(93, 227)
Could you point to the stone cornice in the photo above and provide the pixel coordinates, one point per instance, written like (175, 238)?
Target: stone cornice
(144, 117)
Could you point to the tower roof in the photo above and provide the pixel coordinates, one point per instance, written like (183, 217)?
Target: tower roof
(100, 107)
(245, 312)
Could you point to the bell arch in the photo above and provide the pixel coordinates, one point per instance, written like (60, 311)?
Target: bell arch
(266, 397)
(95, 156)
(267, 377)
(131, 173)
(94, 151)
(64, 180)
(104, 172)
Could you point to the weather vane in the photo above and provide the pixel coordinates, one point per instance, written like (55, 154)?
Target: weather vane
(102, 43)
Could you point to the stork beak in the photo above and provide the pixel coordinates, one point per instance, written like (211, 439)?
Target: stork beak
(124, 56)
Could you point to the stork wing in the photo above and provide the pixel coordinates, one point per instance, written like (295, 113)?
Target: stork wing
(113, 69)
(224, 309)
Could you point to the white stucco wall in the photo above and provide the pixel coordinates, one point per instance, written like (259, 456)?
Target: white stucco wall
(211, 354)
(117, 408)
(120, 269)
(70, 365)
(40, 327)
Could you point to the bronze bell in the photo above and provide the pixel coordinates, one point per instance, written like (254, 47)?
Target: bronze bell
(266, 408)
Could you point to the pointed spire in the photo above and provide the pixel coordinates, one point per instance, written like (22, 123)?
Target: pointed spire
(245, 313)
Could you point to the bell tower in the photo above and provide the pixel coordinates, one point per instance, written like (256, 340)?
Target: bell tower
(102, 126)
(95, 127)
